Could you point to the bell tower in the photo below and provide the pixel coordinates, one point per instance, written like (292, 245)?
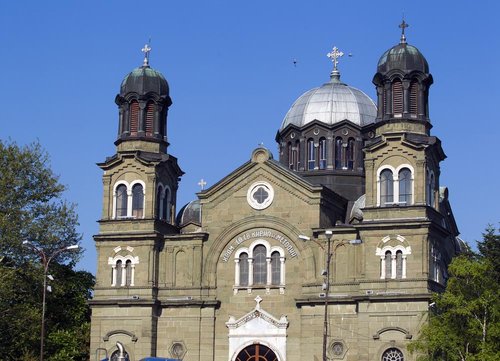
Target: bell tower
(140, 186)
(402, 159)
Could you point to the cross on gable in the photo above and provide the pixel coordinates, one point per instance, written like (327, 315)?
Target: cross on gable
(202, 183)
(258, 299)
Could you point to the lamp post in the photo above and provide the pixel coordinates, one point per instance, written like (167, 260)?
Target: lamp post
(326, 274)
(46, 261)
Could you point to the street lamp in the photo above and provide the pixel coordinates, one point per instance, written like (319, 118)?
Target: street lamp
(46, 261)
(326, 274)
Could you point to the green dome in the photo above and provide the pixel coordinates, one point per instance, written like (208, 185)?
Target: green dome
(144, 80)
(404, 57)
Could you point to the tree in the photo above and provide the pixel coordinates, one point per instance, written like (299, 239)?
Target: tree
(32, 208)
(464, 321)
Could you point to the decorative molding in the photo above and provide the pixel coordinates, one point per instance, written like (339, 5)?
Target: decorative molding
(132, 336)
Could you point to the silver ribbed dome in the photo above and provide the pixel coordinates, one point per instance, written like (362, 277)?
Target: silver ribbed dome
(331, 103)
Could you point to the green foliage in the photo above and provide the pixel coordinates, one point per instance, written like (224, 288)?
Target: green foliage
(464, 323)
(31, 204)
(32, 208)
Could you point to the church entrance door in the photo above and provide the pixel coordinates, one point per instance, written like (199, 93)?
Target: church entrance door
(256, 352)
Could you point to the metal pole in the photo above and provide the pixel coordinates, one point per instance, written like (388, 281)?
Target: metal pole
(327, 289)
(42, 332)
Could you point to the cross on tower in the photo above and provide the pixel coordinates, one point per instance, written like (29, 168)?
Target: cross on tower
(403, 26)
(202, 183)
(146, 50)
(334, 55)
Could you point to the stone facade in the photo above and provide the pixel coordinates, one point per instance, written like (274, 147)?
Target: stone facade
(242, 274)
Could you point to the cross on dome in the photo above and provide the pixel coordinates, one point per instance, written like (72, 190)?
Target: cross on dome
(146, 50)
(334, 55)
(403, 26)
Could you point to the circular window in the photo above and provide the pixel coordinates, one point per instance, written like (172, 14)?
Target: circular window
(177, 350)
(260, 195)
(337, 348)
(393, 354)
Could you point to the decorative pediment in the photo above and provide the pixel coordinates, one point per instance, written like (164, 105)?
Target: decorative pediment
(258, 317)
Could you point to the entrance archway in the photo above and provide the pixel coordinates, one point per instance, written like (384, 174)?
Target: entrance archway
(256, 352)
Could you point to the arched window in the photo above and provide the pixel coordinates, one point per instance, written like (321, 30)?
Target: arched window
(405, 187)
(128, 273)
(134, 117)
(290, 155)
(166, 205)
(397, 97)
(118, 273)
(159, 203)
(257, 352)
(322, 153)
(259, 265)
(121, 201)
(275, 268)
(386, 188)
(338, 153)
(414, 98)
(311, 156)
(297, 155)
(388, 264)
(430, 189)
(399, 264)
(150, 113)
(350, 153)
(392, 354)
(243, 264)
(137, 201)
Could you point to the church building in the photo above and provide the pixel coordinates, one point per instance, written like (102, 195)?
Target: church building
(329, 251)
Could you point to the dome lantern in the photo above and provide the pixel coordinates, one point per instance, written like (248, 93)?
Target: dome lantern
(402, 81)
(143, 104)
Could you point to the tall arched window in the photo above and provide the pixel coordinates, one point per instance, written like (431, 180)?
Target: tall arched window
(397, 97)
(243, 264)
(322, 153)
(121, 201)
(118, 273)
(297, 155)
(388, 264)
(430, 189)
(134, 117)
(311, 155)
(350, 153)
(275, 268)
(414, 98)
(166, 205)
(405, 187)
(290, 155)
(128, 273)
(159, 202)
(338, 153)
(150, 114)
(386, 188)
(259, 265)
(399, 264)
(137, 201)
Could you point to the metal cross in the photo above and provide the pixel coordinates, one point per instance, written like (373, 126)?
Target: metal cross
(403, 26)
(202, 183)
(334, 55)
(146, 50)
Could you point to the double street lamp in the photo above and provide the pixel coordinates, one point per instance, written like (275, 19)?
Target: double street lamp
(326, 274)
(45, 262)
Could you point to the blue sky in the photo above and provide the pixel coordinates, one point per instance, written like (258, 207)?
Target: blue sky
(232, 78)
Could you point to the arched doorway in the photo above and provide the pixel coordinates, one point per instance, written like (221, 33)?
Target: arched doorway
(256, 352)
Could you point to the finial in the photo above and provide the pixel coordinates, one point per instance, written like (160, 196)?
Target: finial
(258, 300)
(202, 183)
(403, 26)
(334, 55)
(146, 50)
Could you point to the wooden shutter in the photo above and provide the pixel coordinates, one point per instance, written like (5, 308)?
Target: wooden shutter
(134, 117)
